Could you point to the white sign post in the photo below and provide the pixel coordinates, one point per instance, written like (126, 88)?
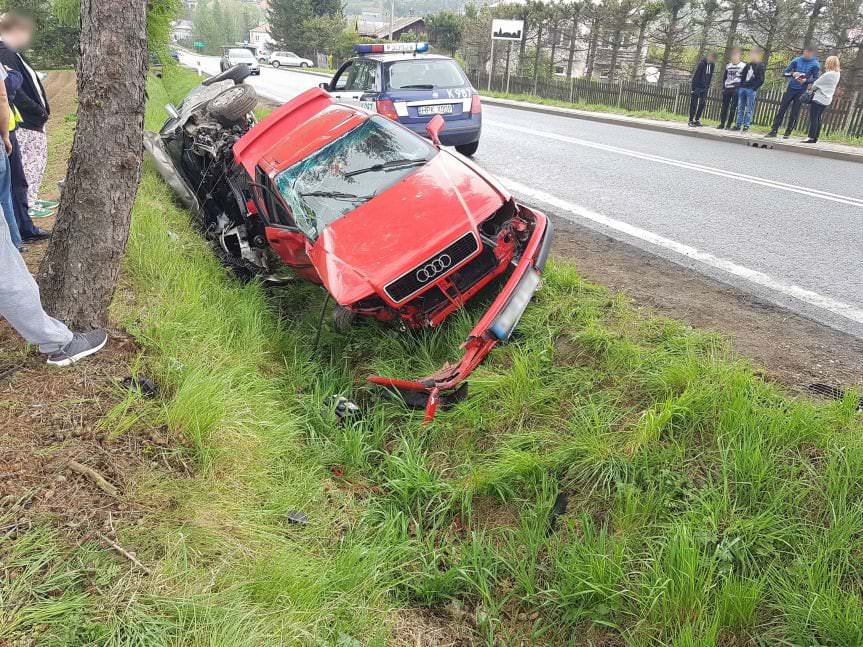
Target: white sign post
(508, 30)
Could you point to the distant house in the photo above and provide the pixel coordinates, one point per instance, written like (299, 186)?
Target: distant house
(260, 38)
(381, 28)
(181, 31)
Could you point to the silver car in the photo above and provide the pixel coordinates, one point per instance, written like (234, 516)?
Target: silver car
(239, 56)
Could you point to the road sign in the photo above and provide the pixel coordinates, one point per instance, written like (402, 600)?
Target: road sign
(199, 45)
(507, 29)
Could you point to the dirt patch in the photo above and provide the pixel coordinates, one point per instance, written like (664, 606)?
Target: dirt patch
(791, 349)
(50, 418)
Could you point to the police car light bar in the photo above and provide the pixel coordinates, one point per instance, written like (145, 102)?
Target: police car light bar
(392, 48)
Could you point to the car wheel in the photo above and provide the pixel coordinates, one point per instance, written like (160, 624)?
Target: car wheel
(304, 64)
(232, 105)
(343, 319)
(277, 65)
(468, 149)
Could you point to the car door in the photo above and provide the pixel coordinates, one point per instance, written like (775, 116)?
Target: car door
(354, 80)
(282, 233)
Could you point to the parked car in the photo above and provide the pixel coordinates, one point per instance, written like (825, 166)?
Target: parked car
(289, 59)
(403, 83)
(393, 226)
(239, 56)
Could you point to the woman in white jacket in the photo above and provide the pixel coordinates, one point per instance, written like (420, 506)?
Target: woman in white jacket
(823, 90)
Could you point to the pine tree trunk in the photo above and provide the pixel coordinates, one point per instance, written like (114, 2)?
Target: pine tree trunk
(670, 37)
(636, 63)
(809, 38)
(79, 272)
(573, 39)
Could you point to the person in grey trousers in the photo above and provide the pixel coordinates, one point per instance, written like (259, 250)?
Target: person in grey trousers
(21, 306)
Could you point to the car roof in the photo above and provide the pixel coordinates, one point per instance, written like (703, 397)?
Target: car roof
(402, 56)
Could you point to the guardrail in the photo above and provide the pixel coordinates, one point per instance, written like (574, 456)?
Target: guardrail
(844, 117)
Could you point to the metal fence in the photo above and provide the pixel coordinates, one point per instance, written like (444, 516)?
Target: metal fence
(845, 116)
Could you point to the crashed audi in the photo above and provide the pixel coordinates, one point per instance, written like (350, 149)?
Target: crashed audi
(392, 225)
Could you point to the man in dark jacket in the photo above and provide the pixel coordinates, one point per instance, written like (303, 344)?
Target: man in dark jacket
(751, 79)
(801, 73)
(700, 87)
(16, 31)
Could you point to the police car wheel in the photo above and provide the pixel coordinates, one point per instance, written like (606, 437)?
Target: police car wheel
(468, 149)
(276, 64)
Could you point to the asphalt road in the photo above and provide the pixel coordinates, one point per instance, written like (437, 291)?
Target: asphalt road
(782, 226)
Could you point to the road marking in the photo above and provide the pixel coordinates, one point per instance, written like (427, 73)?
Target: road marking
(753, 276)
(701, 168)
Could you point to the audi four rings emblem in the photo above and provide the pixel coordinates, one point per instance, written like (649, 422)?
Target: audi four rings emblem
(427, 272)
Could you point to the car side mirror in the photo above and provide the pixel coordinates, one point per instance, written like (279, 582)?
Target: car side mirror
(434, 127)
(324, 86)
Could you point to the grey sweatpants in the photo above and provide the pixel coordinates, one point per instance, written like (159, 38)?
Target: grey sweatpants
(20, 303)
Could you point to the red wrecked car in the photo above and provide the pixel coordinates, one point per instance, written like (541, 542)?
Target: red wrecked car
(391, 224)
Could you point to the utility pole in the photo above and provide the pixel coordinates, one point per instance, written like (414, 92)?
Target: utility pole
(392, 18)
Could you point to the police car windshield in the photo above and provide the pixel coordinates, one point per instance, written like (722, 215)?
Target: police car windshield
(425, 74)
(240, 53)
(349, 172)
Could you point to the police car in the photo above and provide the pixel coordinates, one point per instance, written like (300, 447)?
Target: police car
(402, 82)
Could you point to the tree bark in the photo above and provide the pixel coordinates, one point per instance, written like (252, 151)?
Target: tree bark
(809, 38)
(592, 46)
(573, 39)
(636, 63)
(79, 273)
(670, 37)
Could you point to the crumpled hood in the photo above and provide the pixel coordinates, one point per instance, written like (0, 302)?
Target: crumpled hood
(407, 224)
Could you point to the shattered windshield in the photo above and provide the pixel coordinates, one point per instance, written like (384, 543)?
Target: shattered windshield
(349, 172)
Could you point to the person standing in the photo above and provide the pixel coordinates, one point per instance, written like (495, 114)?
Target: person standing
(700, 87)
(751, 79)
(801, 72)
(822, 96)
(730, 84)
(9, 232)
(16, 32)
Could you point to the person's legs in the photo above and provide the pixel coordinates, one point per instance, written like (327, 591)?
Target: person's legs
(702, 101)
(726, 103)
(733, 107)
(11, 229)
(34, 155)
(693, 106)
(795, 113)
(787, 100)
(20, 303)
(816, 114)
(19, 192)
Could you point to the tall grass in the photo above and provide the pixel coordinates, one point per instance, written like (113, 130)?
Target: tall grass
(705, 506)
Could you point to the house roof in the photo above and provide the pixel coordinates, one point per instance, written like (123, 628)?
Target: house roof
(263, 27)
(382, 30)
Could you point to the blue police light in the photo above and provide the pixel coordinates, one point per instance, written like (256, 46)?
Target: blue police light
(392, 48)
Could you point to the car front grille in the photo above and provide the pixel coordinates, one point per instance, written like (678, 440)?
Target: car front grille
(431, 270)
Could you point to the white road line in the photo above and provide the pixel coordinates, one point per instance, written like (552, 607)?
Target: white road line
(701, 168)
(759, 278)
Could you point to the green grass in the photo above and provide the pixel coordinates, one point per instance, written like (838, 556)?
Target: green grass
(706, 507)
(661, 115)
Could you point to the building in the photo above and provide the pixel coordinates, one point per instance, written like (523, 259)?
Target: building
(260, 37)
(181, 31)
(375, 27)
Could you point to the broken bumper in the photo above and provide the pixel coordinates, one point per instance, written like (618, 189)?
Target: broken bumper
(496, 325)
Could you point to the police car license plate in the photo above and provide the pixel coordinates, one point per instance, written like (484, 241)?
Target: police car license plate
(442, 109)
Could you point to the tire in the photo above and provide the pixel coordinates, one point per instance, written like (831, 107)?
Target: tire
(468, 150)
(232, 105)
(276, 64)
(304, 65)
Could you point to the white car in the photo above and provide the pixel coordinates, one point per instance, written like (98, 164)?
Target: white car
(288, 59)
(236, 55)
